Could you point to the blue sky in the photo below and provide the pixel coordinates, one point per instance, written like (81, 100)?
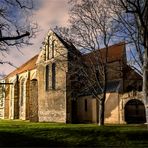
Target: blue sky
(48, 14)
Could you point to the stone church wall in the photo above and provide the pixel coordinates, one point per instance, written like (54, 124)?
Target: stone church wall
(2, 98)
(114, 70)
(52, 103)
(87, 109)
(35, 98)
(52, 99)
(7, 96)
(112, 114)
(33, 101)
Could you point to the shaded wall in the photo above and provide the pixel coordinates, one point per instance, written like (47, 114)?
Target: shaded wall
(33, 101)
(87, 111)
(6, 102)
(16, 100)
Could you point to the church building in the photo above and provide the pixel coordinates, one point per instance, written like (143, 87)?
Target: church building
(50, 87)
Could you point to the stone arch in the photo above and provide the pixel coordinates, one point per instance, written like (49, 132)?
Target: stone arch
(134, 111)
(33, 103)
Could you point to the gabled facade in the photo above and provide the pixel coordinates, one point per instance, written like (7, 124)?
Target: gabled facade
(47, 88)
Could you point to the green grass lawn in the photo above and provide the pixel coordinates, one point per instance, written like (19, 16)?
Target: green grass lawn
(25, 134)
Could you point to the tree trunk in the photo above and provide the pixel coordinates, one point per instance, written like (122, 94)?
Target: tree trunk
(101, 112)
(145, 80)
(102, 101)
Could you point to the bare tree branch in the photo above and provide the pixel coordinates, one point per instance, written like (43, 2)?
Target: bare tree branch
(15, 37)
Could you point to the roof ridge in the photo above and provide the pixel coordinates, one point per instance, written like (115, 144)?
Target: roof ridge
(115, 52)
(28, 60)
(21, 66)
(117, 44)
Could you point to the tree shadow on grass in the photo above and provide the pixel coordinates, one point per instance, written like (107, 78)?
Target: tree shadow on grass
(45, 137)
(19, 140)
(71, 137)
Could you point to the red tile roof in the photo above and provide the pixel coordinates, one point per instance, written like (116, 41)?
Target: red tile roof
(29, 65)
(115, 53)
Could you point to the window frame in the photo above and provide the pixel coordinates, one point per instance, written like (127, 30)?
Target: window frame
(53, 76)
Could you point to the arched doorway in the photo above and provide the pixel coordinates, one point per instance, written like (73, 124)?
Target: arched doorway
(135, 112)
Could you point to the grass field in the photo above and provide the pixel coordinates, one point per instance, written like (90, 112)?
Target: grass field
(26, 134)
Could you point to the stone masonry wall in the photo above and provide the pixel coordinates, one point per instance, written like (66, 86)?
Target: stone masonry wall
(52, 103)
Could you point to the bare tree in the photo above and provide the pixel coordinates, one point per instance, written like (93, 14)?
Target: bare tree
(16, 25)
(129, 31)
(91, 27)
(132, 14)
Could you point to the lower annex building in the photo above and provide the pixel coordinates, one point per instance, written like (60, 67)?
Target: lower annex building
(46, 88)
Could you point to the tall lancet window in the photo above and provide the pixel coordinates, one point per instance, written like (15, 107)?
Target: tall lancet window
(46, 54)
(47, 78)
(52, 48)
(53, 76)
(48, 46)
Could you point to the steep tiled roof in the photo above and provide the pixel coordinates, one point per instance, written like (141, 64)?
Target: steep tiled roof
(29, 65)
(115, 52)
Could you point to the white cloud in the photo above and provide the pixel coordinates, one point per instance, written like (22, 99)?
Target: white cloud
(49, 14)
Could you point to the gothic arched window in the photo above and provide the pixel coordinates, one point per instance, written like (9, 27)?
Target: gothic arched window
(48, 46)
(52, 47)
(53, 76)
